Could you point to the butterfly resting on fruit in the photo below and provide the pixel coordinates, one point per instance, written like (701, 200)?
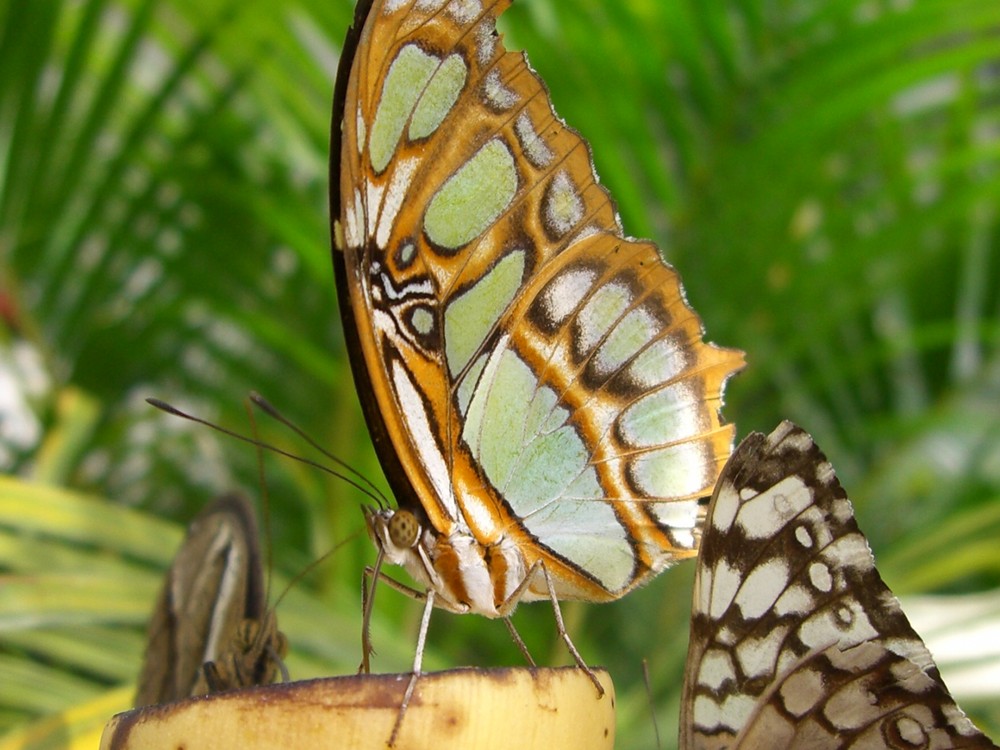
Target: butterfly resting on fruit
(536, 385)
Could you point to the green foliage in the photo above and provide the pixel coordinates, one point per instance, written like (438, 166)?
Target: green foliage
(824, 175)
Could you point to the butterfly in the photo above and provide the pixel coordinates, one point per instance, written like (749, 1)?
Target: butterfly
(535, 383)
(796, 642)
(211, 629)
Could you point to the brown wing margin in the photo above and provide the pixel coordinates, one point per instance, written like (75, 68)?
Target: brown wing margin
(403, 491)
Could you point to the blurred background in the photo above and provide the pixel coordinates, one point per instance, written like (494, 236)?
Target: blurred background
(824, 174)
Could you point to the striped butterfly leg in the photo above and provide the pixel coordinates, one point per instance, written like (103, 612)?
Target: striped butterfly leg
(795, 639)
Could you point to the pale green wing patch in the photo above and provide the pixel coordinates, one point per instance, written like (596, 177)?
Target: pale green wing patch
(540, 466)
(473, 197)
(438, 98)
(471, 315)
(406, 79)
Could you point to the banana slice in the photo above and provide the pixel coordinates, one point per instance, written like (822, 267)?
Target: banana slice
(471, 709)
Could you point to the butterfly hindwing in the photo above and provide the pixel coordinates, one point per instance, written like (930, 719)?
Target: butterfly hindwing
(795, 639)
(535, 381)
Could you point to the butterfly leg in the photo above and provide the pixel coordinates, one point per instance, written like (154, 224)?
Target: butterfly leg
(367, 601)
(374, 574)
(561, 628)
(515, 597)
(418, 659)
(518, 641)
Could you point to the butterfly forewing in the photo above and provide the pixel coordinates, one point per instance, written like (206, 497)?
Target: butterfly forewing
(210, 629)
(535, 381)
(795, 639)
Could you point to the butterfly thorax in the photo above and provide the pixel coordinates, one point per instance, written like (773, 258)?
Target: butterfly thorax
(466, 575)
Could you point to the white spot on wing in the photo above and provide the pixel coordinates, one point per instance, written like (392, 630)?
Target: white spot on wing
(465, 11)
(725, 583)
(911, 731)
(599, 314)
(659, 363)
(846, 626)
(353, 219)
(765, 515)
(957, 718)
(565, 292)
(824, 473)
(758, 657)
(819, 576)
(486, 42)
(668, 414)
(796, 600)
(801, 691)
(563, 207)
(682, 514)
(804, 537)
(498, 95)
(679, 470)
(415, 414)
(727, 503)
(373, 205)
(537, 151)
(625, 340)
(705, 713)
(361, 132)
(851, 552)
(799, 442)
(681, 538)
(853, 706)
(761, 588)
(716, 669)
(398, 186)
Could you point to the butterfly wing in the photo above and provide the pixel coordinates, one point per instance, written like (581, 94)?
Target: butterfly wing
(529, 374)
(795, 639)
(213, 589)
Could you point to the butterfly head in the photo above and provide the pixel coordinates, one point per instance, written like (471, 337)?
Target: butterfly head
(397, 533)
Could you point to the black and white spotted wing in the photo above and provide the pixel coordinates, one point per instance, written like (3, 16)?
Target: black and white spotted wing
(795, 639)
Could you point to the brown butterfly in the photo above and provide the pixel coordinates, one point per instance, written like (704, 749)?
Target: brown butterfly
(796, 642)
(211, 629)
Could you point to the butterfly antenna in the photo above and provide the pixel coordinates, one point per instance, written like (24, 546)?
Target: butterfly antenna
(315, 564)
(375, 495)
(271, 411)
(265, 498)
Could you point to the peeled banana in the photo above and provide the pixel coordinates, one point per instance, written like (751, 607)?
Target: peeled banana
(471, 709)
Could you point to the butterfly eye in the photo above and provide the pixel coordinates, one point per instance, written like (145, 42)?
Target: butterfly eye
(404, 529)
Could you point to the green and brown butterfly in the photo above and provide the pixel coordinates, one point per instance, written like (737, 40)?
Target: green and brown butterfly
(535, 383)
